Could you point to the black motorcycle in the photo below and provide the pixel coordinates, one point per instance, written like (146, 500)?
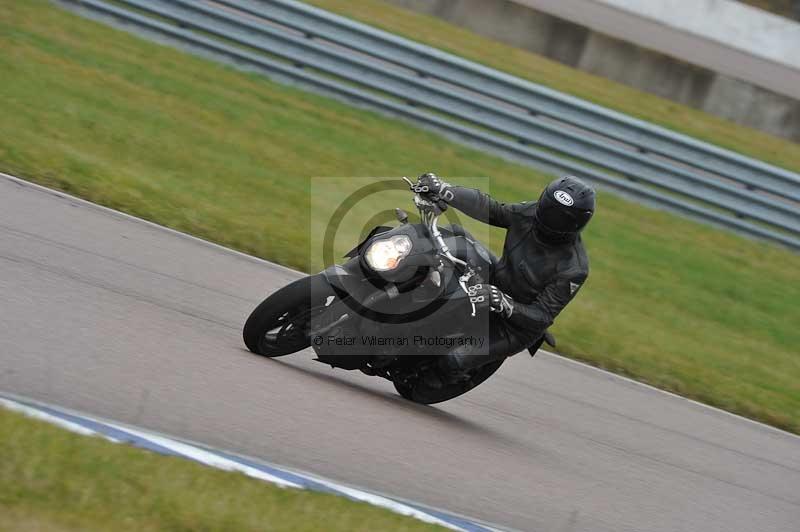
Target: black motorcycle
(401, 299)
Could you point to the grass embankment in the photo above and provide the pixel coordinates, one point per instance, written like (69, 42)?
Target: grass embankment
(441, 34)
(55, 480)
(226, 156)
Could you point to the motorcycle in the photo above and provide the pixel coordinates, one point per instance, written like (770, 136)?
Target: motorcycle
(378, 313)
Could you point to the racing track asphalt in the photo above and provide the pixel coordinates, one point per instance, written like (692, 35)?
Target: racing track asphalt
(116, 317)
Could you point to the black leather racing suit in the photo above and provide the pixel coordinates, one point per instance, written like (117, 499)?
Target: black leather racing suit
(541, 278)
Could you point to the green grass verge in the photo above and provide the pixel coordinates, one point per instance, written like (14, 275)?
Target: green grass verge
(55, 480)
(441, 34)
(227, 156)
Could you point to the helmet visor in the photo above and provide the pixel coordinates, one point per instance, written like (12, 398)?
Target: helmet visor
(563, 220)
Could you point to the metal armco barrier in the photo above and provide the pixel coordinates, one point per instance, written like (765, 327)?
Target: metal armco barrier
(292, 41)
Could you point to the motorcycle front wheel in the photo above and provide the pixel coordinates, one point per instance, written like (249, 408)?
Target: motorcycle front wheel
(279, 325)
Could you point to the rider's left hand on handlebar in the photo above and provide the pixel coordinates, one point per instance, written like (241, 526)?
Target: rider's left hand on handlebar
(488, 296)
(431, 185)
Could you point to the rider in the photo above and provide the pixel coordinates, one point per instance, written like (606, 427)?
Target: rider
(543, 265)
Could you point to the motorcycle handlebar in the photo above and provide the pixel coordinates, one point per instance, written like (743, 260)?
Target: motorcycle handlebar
(441, 245)
(430, 213)
(433, 212)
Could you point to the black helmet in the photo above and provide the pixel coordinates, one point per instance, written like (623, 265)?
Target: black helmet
(563, 209)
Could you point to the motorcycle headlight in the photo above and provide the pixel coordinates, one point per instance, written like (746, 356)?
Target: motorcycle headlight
(385, 255)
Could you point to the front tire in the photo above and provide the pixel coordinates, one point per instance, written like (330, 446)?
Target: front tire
(279, 325)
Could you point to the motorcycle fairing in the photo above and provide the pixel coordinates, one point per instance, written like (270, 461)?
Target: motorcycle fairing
(375, 231)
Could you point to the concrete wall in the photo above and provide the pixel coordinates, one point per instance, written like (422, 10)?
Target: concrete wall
(732, 23)
(721, 80)
(751, 53)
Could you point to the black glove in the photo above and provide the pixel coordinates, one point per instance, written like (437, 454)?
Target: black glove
(488, 296)
(431, 184)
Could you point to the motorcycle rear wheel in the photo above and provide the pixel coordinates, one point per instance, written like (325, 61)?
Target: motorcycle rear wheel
(279, 325)
(423, 394)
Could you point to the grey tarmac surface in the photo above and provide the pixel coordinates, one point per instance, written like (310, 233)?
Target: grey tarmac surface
(128, 321)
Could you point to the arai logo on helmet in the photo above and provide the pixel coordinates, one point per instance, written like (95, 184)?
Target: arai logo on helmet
(563, 198)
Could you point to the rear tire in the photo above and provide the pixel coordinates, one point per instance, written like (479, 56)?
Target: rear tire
(423, 394)
(279, 325)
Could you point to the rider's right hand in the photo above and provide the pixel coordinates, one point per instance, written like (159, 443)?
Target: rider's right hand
(489, 297)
